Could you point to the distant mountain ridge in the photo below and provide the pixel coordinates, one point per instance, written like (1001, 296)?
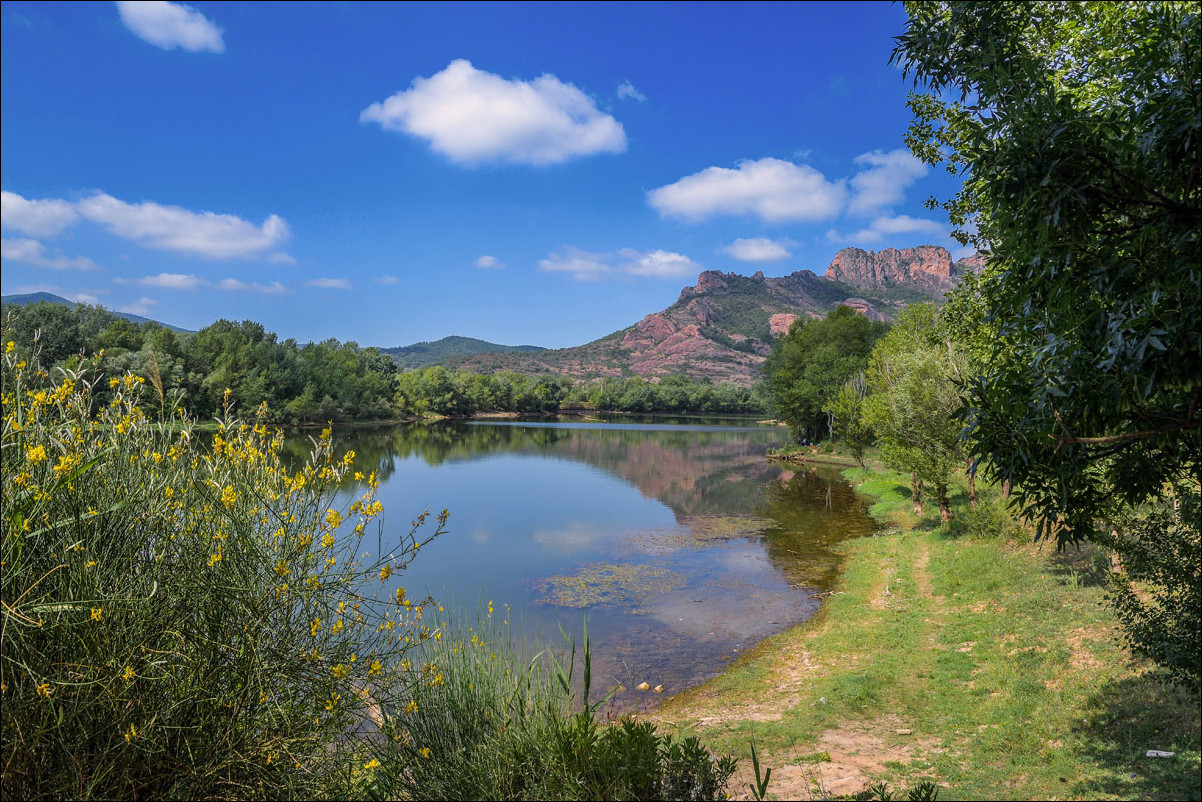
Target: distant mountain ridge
(723, 327)
(425, 354)
(50, 298)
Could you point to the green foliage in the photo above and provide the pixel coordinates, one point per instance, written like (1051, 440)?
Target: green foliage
(426, 354)
(809, 365)
(1077, 127)
(182, 619)
(1158, 595)
(914, 398)
(848, 410)
(483, 721)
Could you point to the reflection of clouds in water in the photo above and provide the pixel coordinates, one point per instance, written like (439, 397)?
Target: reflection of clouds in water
(576, 536)
(730, 618)
(481, 536)
(745, 561)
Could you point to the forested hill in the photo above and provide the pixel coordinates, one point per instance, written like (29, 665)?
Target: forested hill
(50, 298)
(424, 354)
(722, 328)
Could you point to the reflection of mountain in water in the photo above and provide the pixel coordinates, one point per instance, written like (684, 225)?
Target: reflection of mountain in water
(694, 472)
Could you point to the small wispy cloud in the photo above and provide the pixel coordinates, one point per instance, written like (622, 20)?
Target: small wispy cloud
(167, 281)
(37, 218)
(32, 252)
(386, 279)
(236, 285)
(759, 250)
(142, 306)
(329, 283)
(171, 25)
(487, 262)
(586, 266)
(626, 91)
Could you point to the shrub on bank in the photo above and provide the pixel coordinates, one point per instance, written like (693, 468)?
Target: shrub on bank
(184, 619)
(481, 721)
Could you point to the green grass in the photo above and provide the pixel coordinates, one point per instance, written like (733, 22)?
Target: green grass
(985, 663)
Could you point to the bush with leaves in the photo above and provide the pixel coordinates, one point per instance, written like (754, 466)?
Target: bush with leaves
(183, 620)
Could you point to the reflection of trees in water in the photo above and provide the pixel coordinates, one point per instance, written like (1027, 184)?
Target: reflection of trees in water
(814, 510)
(692, 472)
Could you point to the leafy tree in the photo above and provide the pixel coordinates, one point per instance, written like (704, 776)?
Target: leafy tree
(913, 399)
(1076, 127)
(809, 365)
(848, 411)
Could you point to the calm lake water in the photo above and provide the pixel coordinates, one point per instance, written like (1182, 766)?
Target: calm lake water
(679, 541)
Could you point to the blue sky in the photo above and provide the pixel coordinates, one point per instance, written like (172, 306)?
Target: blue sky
(389, 173)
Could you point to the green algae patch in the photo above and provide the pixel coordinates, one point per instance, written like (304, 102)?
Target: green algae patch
(627, 585)
(699, 532)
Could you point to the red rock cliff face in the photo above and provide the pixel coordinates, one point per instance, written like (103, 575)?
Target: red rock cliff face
(928, 267)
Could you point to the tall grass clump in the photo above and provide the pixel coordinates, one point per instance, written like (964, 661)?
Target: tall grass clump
(186, 620)
(483, 719)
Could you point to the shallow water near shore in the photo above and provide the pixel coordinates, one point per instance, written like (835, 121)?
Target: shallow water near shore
(681, 544)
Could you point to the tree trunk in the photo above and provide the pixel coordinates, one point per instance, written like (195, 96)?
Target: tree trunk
(945, 510)
(916, 492)
(972, 483)
(1005, 488)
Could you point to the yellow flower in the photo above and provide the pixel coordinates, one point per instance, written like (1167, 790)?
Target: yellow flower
(424, 752)
(9, 346)
(315, 627)
(411, 707)
(376, 668)
(386, 571)
(339, 671)
(333, 701)
(228, 496)
(334, 630)
(215, 557)
(333, 519)
(36, 454)
(44, 690)
(371, 764)
(327, 540)
(97, 612)
(133, 733)
(128, 673)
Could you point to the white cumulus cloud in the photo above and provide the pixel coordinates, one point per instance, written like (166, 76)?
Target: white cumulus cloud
(585, 266)
(37, 218)
(329, 283)
(883, 227)
(386, 280)
(487, 262)
(32, 252)
(472, 117)
(171, 228)
(885, 180)
(776, 191)
(758, 249)
(171, 25)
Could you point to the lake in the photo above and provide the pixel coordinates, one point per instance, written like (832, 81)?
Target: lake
(679, 541)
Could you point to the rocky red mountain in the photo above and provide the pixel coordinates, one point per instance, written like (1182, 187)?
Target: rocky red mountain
(722, 328)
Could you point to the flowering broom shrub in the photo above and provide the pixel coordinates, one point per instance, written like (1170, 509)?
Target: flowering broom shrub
(185, 618)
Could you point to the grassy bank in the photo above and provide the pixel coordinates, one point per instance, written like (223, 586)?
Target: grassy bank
(962, 654)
